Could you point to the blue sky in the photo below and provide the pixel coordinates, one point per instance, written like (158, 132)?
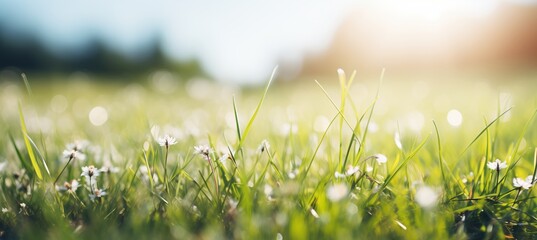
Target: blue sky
(239, 41)
(235, 41)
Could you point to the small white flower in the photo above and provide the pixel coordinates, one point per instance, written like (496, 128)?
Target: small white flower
(109, 169)
(530, 179)
(203, 150)
(90, 171)
(350, 171)
(79, 145)
(75, 150)
(521, 183)
(497, 165)
(97, 193)
(339, 175)
(23, 205)
(292, 174)
(74, 185)
(381, 158)
(264, 146)
(337, 192)
(68, 186)
(5, 210)
(166, 141)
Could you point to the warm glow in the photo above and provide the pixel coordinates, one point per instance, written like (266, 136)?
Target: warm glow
(424, 34)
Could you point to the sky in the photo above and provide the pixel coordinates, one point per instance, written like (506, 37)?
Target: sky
(237, 41)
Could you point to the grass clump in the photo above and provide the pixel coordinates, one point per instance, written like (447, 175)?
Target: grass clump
(283, 163)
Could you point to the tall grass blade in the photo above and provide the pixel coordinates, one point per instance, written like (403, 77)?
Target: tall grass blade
(484, 130)
(26, 84)
(256, 111)
(237, 125)
(40, 155)
(29, 147)
(440, 159)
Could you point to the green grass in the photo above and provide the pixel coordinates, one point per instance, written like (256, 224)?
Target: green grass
(435, 184)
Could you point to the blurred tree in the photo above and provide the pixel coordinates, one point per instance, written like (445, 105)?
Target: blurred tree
(28, 54)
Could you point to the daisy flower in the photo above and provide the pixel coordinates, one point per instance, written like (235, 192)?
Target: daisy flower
(523, 183)
(202, 150)
(75, 150)
(90, 171)
(264, 146)
(109, 169)
(68, 186)
(381, 158)
(350, 171)
(97, 193)
(166, 141)
(497, 165)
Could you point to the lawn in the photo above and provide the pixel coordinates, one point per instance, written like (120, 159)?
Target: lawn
(340, 157)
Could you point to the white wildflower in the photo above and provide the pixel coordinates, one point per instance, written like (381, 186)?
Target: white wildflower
(381, 158)
(68, 186)
(23, 209)
(523, 183)
(144, 172)
(350, 171)
(75, 150)
(530, 179)
(264, 146)
(97, 193)
(339, 175)
(90, 171)
(497, 165)
(109, 169)
(203, 150)
(292, 174)
(5, 210)
(166, 141)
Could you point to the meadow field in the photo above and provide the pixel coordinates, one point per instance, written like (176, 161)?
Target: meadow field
(340, 157)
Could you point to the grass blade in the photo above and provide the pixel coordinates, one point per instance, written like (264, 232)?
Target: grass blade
(484, 130)
(256, 111)
(29, 147)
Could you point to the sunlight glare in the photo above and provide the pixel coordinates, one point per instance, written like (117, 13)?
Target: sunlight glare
(454, 118)
(98, 116)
